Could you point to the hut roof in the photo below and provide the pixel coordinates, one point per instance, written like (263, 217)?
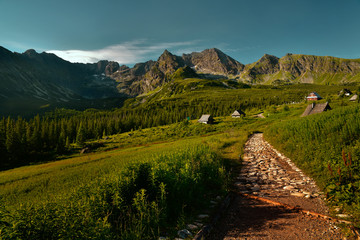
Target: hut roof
(344, 91)
(354, 98)
(205, 118)
(238, 113)
(316, 108)
(314, 94)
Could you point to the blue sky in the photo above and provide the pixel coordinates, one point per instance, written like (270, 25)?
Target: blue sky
(139, 30)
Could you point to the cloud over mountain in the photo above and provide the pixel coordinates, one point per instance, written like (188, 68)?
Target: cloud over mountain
(124, 53)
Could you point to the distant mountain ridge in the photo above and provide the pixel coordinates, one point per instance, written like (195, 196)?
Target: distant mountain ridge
(299, 68)
(46, 77)
(144, 77)
(212, 63)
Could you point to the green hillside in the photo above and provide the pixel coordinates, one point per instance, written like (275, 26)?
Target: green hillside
(43, 138)
(128, 193)
(330, 152)
(152, 167)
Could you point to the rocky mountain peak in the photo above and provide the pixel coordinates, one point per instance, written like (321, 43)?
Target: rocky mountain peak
(267, 64)
(101, 65)
(213, 61)
(111, 68)
(214, 51)
(30, 53)
(166, 52)
(268, 57)
(168, 63)
(268, 61)
(166, 55)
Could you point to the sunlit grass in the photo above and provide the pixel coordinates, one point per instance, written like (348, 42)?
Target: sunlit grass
(45, 181)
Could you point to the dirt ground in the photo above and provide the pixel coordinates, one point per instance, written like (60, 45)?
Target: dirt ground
(251, 219)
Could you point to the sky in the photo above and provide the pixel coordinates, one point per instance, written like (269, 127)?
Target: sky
(131, 31)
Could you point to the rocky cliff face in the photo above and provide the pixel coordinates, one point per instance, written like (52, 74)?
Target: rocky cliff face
(148, 76)
(213, 61)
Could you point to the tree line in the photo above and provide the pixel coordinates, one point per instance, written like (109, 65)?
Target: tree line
(42, 138)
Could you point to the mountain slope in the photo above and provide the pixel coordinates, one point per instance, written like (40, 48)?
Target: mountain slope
(145, 77)
(301, 68)
(48, 77)
(214, 64)
(42, 78)
(213, 61)
(31, 80)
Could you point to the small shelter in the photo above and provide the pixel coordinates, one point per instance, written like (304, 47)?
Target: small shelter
(206, 118)
(313, 96)
(354, 98)
(345, 92)
(238, 114)
(316, 108)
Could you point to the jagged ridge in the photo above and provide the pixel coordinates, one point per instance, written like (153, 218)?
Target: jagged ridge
(144, 77)
(46, 76)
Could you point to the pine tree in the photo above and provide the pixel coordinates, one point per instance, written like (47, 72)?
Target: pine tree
(67, 144)
(80, 136)
(61, 144)
(11, 142)
(3, 151)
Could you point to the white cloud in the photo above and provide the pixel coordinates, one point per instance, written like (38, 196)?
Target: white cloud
(125, 53)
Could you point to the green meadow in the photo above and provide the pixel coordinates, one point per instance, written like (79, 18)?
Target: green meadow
(167, 181)
(148, 181)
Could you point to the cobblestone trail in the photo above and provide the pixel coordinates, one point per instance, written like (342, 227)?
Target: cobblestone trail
(268, 174)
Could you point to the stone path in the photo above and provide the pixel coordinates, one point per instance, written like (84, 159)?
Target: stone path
(268, 174)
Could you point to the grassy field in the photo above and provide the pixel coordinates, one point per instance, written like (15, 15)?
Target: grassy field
(167, 181)
(141, 184)
(40, 182)
(37, 182)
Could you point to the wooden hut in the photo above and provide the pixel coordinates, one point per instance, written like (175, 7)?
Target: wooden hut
(316, 108)
(206, 118)
(354, 98)
(238, 114)
(313, 96)
(345, 92)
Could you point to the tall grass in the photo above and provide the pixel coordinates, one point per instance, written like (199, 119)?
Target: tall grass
(40, 182)
(137, 202)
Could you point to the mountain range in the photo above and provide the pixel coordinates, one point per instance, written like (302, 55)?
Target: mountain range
(44, 77)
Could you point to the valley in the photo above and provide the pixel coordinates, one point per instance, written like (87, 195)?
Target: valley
(91, 178)
(167, 120)
(118, 153)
